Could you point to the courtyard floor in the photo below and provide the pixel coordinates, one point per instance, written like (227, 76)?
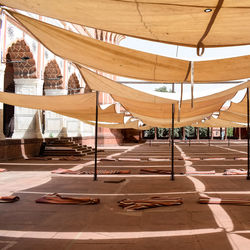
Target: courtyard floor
(28, 225)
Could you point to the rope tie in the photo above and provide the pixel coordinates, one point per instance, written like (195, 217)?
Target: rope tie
(200, 46)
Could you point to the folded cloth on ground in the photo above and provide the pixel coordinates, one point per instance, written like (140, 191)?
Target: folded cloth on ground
(154, 171)
(156, 159)
(39, 158)
(9, 199)
(201, 172)
(150, 202)
(115, 181)
(128, 159)
(107, 159)
(214, 159)
(58, 199)
(215, 200)
(3, 170)
(232, 171)
(241, 158)
(194, 159)
(78, 172)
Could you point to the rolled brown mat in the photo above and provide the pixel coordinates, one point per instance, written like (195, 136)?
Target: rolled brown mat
(79, 172)
(58, 199)
(9, 199)
(115, 181)
(232, 171)
(154, 171)
(215, 200)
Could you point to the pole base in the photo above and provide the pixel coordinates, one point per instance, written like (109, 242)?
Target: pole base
(248, 177)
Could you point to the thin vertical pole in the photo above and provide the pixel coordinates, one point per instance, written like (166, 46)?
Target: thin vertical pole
(96, 133)
(248, 148)
(172, 149)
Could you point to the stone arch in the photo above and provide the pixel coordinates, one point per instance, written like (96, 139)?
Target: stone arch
(22, 68)
(73, 85)
(16, 68)
(52, 76)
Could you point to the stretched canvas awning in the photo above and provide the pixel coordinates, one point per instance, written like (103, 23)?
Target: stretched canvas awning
(216, 122)
(131, 63)
(237, 112)
(153, 110)
(82, 106)
(128, 124)
(209, 23)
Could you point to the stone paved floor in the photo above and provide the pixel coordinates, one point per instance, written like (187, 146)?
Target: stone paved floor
(28, 225)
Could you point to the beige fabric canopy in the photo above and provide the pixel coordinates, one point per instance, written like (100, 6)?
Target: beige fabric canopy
(237, 112)
(216, 122)
(128, 124)
(82, 106)
(157, 111)
(180, 22)
(131, 63)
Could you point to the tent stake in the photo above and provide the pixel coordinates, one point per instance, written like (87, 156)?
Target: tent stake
(96, 134)
(172, 148)
(248, 162)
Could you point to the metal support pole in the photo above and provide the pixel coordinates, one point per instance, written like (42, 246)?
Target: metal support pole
(248, 148)
(96, 133)
(172, 149)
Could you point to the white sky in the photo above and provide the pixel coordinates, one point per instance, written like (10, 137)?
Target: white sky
(184, 53)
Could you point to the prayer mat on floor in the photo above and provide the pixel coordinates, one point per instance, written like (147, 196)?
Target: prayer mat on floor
(9, 199)
(201, 172)
(150, 202)
(79, 172)
(154, 171)
(232, 171)
(215, 200)
(59, 199)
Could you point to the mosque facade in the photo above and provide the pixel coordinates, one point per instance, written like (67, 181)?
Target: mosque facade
(27, 67)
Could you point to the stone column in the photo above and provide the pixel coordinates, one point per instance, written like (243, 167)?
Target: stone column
(239, 133)
(212, 134)
(198, 134)
(55, 124)
(155, 133)
(183, 133)
(26, 121)
(225, 133)
(2, 69)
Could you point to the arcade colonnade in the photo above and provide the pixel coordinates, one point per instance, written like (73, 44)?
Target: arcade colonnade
(42, 73)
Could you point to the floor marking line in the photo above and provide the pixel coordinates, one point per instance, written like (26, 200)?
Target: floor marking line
(105, 235)
(117, 194)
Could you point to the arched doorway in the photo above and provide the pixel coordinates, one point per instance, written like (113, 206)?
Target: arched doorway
(52, 80)
(19, 64)
(8, 110)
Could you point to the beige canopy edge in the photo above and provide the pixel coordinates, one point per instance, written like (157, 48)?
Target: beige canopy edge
(217, 122)
(128, 124)
(166, 21)
(130, 63)
(143, 104)
(81, 106)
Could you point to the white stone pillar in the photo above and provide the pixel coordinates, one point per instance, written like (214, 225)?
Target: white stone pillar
(2, 69)
(73, 127)
(86, 130)
(26, 122)
(55, 124)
